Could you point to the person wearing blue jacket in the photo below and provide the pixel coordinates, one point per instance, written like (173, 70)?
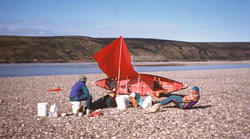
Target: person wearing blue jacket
(80, 92)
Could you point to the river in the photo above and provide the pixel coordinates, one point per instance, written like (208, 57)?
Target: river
(42, 69)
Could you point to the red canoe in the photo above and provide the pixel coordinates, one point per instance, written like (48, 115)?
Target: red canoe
(146, 85)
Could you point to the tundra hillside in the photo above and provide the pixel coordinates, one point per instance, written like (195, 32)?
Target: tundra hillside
(19, 49)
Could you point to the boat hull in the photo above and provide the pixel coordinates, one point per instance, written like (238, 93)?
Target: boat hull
(144, 85)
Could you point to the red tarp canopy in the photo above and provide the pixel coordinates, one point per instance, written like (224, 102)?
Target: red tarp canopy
(115, 61)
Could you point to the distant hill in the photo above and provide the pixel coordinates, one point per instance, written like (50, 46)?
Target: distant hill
(16, 49)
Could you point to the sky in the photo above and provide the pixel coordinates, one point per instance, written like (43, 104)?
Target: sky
(182, 20)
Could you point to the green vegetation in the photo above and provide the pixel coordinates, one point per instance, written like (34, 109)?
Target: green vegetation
(16, 49)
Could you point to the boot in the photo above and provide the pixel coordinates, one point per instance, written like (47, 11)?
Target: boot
(155, 107)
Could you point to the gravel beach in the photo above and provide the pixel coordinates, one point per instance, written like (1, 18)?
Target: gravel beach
(222, 112)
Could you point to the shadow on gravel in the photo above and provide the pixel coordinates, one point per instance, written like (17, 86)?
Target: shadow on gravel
(167, 95)
(195, 107)
(200, 107)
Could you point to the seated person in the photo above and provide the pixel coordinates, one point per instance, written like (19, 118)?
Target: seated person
(157, 90)
(80, 92)
(183, 102)
(110, 84)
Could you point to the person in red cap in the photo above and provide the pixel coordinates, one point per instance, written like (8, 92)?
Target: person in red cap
(183, 102)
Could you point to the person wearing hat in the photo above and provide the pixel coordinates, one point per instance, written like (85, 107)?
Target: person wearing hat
(80, 92)
(183, 102)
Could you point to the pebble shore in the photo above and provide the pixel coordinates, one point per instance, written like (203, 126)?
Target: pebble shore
(222, 112)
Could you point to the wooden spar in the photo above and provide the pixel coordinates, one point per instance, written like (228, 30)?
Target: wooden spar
(119, 67)
(126, 85)
(138, 84)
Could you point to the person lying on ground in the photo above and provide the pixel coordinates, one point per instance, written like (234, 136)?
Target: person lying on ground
(183, 102)
(104, 102)
(80, 92)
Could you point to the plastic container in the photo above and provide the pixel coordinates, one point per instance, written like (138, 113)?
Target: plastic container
(53, 111)
(42, 109)
(147, 103)
(122, 101)
(76, 105)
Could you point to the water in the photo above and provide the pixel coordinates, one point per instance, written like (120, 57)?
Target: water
(40, 69)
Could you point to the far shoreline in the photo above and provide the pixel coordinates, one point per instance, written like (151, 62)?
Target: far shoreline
(146, 63)
(43, 69)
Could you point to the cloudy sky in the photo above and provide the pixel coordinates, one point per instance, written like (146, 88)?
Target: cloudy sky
(184, 20)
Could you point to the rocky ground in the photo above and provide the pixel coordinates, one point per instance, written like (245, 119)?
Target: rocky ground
(222, 112)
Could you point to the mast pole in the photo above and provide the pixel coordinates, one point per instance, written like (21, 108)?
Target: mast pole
(119, 68)
(126, 88)
(138, 83)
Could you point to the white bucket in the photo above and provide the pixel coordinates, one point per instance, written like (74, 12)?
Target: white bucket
(147, 102)
(42, 109)
(76, 105)
(122, 102)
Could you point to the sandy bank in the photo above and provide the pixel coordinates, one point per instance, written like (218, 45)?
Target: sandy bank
(222, 112)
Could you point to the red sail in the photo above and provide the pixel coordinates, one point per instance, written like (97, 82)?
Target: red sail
(115, 61)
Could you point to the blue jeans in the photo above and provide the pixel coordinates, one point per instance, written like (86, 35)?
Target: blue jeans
(173, 98)
(83, 97)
